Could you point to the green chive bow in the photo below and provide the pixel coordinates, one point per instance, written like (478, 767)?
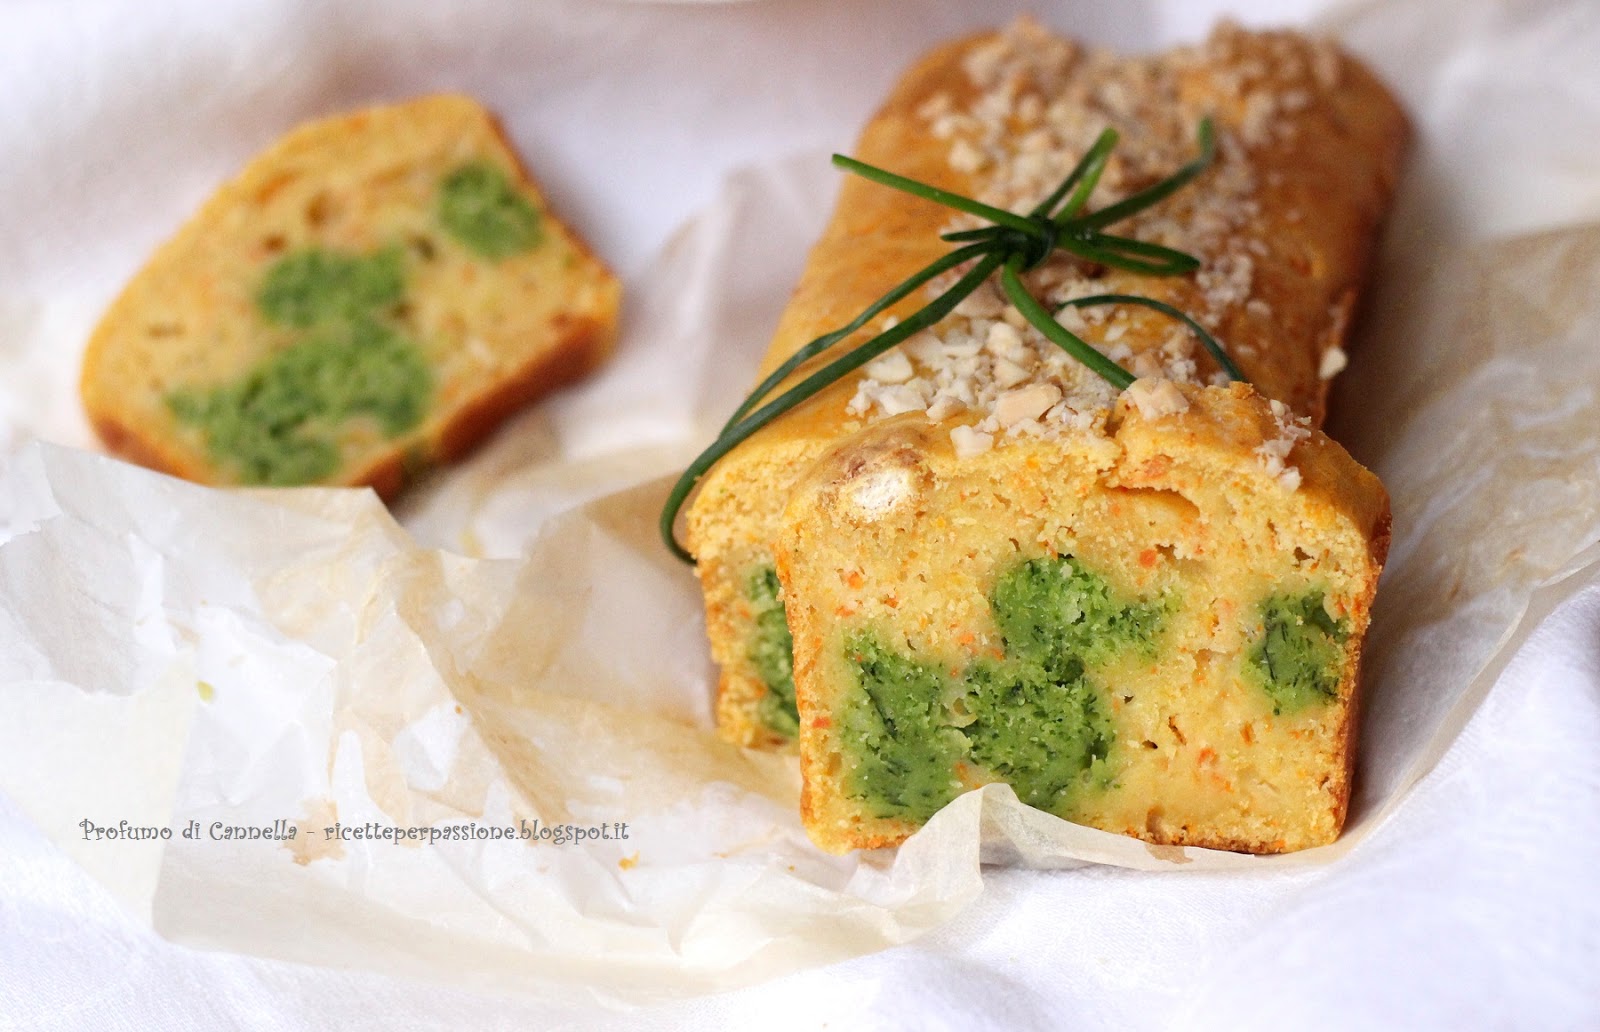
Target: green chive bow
(1011, 245)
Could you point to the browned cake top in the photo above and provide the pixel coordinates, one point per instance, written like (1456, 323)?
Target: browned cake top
(1280, 222)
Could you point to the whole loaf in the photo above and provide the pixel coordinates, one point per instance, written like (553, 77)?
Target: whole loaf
(976, 561)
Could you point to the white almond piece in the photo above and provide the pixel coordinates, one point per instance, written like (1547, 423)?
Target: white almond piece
(1003, 341)
(1155, 398)
(881, 492)
(1145, 365)
(891, 367)
(944, 406)
(1008, 374)
(901, 398)
(962, 346)
(1333, 362)
(969, 442)
(924, 347)
(982, 303)
(1028, 402)
(964, 157)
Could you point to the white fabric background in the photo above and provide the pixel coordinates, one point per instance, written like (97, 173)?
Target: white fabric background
(1472, 907)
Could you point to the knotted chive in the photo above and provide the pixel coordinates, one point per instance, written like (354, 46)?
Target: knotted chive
(1012, 244)
(1084, 175)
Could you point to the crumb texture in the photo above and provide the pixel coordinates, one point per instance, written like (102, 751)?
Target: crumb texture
(1156, 638)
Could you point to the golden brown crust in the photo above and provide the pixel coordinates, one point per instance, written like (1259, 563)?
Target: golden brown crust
(354, 173)
(1321, 179)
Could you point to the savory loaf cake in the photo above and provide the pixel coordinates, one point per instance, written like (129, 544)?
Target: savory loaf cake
(372, 294)
(1143, 609)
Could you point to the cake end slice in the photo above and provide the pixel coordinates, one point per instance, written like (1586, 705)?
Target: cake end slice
(1152, 627)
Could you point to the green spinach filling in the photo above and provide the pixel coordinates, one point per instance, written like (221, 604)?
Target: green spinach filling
(1034, 717)
(314, 286)
(1300, 656)
(899, 731)
(771, 652)
(278, 425)
(483, 210)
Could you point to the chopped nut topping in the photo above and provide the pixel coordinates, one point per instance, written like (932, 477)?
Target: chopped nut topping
(1333, 362)
(1039, 104)
(1028, 402)
(1274, 454)
(969, 442)
(891, 367)
(1155, 398)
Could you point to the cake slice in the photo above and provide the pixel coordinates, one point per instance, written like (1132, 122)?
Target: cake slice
(1154, 630)
(370, 296)
(1009, 468)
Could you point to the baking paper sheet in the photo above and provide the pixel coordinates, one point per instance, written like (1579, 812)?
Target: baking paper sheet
(518, 648)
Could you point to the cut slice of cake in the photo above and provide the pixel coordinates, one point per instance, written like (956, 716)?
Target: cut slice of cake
(371, 295)
(1154, 630)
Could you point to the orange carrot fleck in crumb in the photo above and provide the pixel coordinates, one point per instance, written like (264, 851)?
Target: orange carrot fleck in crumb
(1207, 755)
(854, 579)
(1148, 558)
(1247, 734)
(822, 722)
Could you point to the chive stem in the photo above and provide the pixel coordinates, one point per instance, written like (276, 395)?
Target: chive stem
(827, 340)
(1058, 334)
(1153, 195)
(1206, 339)
(1085, 176)
(999, 216)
